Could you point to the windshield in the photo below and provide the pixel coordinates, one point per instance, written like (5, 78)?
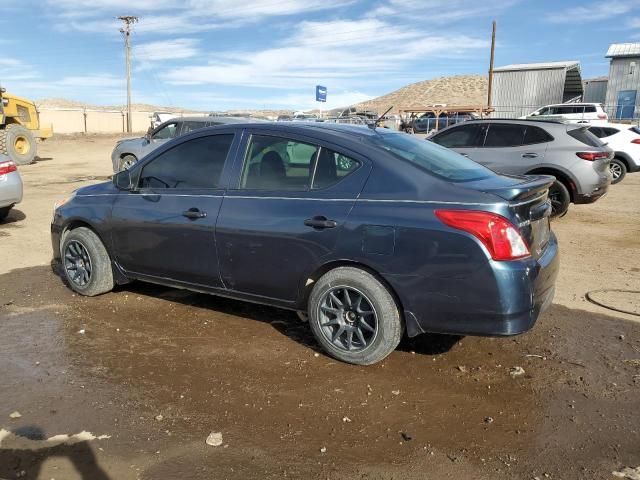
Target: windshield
(437, 160)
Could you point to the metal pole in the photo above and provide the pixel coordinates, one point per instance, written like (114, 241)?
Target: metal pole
(493, 48)
(126, 31)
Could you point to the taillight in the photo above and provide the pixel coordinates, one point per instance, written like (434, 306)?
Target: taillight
(7, 167)
(592, 156)
(498, 234)
(603, 116)
(636, 141)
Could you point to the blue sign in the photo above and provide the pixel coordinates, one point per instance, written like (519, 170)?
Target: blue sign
(321, 93)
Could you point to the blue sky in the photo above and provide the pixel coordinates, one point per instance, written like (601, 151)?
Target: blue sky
(220, 54)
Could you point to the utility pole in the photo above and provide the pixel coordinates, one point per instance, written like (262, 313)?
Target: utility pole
(126, 31)
(493, 48)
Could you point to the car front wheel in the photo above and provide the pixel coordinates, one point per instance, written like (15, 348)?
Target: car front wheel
(85, 262)
(354, 317)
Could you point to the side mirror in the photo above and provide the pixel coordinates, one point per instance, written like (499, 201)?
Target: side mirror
(122, 180)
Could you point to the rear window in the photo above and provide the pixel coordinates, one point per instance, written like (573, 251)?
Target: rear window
(584, 136)
(635, 130)
(432, 158)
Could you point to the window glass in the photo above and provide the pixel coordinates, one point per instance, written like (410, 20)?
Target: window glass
(597, 131)
(332, 167)
(590, 109)
(276, 163)
(544, 111)
(505, 135)
(166, 132)
(197, 163)
(432, 158)
(607, 132)
(585, 137)
(536, 135)
(460, 137)
(190, 126)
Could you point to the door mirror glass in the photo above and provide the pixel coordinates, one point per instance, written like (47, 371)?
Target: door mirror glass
(122, 180)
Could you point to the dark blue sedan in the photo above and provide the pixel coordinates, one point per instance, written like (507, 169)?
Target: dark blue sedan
(369, 232)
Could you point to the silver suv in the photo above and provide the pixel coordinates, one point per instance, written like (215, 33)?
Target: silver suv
(568, 151)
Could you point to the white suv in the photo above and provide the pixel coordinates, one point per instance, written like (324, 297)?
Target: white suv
(624, 140)
(592, 113)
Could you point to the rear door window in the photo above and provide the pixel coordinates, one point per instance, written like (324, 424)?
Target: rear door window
(590, 109)
(277, 163)
(463, 136)
(505, 135)
(535, 134)
(194, 164)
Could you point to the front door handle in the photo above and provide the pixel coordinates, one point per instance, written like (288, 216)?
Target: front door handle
(529, 155)
(320, 222)
(194, 213)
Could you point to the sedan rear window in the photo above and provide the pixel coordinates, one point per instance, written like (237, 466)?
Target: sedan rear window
(432, 158)
(586, 137)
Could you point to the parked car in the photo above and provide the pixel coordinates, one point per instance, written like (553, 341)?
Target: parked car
(160, 117)
(129, 150)
(428, 122)
(10, 186)
(624, 140)
(574, 112)
(577, 158)
(371, 232)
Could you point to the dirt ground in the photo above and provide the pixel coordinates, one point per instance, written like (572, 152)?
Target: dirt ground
(139, 378)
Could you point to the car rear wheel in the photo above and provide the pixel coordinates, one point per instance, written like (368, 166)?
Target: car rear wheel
(560, 199)
(354, 317)
(618, 170)
(4, 212)
(127, 162)
(86, 263)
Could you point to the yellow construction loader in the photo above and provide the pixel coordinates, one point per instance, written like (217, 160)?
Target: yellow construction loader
(19, 128)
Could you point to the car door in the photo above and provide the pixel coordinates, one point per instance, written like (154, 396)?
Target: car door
(463, 138)
(165, 227)
(292, 198)
(512, 148)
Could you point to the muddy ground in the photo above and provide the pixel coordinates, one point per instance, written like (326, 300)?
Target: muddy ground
(156, 370)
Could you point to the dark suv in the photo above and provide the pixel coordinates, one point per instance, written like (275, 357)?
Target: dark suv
(569, 152)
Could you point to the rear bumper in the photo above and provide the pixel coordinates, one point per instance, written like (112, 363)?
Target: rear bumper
(595, 192)
(507, 304)
(10, 189)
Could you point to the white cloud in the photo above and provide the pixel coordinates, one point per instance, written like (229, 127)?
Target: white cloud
(593, 12)
(344, 53)
(440, 11)
(175, 49)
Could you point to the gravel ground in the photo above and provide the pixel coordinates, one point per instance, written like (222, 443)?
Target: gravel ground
(140, 377)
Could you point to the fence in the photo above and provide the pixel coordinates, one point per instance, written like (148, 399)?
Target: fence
(77, 120)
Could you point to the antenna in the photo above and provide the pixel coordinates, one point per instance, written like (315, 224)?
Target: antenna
(375, 124)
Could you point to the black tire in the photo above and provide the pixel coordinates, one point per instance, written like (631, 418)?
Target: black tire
(382, 309)
(4, 211)
(618, 170)
(93, 257)
(18, 143)
(127, 161)
(560, 199)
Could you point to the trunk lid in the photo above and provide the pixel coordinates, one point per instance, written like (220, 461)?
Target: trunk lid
(527, 196)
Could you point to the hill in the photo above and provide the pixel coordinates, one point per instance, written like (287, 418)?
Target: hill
(457, 90)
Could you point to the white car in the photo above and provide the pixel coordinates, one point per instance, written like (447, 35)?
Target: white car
(160, 117)
(624, 140)
(572, 112)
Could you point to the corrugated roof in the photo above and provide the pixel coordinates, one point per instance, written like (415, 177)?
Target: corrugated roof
(539, 66)
(623, 50)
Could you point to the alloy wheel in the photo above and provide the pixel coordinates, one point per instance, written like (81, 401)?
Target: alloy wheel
(348, 319)
(615, 170)
(77, 263)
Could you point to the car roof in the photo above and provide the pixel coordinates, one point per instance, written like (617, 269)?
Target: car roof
(514, 120)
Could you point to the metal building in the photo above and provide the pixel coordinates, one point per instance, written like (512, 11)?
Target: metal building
(520, 89)
(623, 100)
(595, 90)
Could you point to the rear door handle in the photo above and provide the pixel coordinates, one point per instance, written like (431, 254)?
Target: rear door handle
(194, 213)
(529, 155)
(320, 222)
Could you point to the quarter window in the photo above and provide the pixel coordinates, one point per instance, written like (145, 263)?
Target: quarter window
(331, 167)
(194, 164)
